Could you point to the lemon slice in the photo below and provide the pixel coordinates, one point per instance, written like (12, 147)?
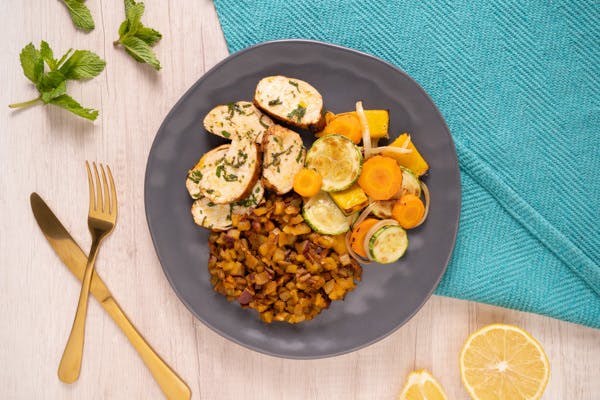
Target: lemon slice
(503, 362)
(421, 385)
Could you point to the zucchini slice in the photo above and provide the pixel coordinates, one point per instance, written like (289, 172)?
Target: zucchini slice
(337, 159)
(383, 208)
(323, 216)
(387, 244)
(410, 183)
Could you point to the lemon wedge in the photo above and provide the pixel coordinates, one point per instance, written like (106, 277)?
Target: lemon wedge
(421, 385)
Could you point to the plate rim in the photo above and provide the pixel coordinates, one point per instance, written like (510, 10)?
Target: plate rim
(454, 231)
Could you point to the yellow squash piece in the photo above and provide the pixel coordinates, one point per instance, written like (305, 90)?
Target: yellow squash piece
(421, 385)
(378, 121)
(350, 200)
(413, 160)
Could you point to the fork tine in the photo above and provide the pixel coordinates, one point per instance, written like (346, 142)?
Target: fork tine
(91, 186)
(98, 189)
(106, 204)
(113, 193)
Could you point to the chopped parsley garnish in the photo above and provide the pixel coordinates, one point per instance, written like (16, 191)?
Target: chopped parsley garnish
(276, 158)
(210, 204)
(238, 160)
(247, 202)
(222, 173)
(299, 156)
(195, 176)
(261, 121)
(246, 105)
(275, 102)
(233, 108)
(278, 141)
(298, 113)
(295, 84)
(226, 134)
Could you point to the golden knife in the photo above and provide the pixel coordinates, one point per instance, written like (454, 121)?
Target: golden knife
(75, 259)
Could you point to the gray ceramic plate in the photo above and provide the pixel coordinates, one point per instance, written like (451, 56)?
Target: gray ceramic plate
(389, 295)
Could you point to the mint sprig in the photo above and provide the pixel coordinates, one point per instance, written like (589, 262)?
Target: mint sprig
(80, 14)
(52, 85)
(136, 38)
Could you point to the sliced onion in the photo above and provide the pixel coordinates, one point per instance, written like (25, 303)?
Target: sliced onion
(366, 135)
(352, 253)
(375, 228)
(352, 218)
(365, 213)
(425, 191)
(308, 201)
(390, 149)
(402, 149)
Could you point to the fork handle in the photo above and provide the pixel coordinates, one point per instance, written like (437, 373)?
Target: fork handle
(70, 363)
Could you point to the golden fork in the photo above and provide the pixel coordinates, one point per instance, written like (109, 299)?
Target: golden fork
(102, 216)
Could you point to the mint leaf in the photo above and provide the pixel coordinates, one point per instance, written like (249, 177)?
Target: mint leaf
(64, 58)
(135, 37)
(83, 64)
(134, 16)
(54, 93)
(140, 51)
(80, 14)
(32, 63)
(52, 86)
(128, 5)
(68, 103)
(148, 35)
(50, 81)
(47, 55)
(123, 28)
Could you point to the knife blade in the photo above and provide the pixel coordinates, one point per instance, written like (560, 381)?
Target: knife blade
(65, 246)
(75, 260)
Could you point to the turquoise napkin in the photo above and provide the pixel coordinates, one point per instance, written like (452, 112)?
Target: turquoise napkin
(519, 86)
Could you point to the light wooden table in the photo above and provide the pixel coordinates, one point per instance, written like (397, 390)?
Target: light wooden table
(43, 149)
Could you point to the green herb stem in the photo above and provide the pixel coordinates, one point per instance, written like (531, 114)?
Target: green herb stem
(26, 103)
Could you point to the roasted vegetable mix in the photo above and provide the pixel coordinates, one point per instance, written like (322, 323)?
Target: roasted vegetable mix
(271, 261)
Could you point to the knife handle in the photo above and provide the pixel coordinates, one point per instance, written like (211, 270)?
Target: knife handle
(170, 383)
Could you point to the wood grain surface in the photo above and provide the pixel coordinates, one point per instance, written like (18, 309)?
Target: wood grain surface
(43, 149)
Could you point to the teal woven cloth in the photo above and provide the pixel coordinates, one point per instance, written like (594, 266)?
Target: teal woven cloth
(519, 86)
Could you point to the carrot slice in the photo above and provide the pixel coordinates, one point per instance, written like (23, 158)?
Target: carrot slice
(408, 211)
(380, 178)
(346, 125)
(357, 238)
(307, 182)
